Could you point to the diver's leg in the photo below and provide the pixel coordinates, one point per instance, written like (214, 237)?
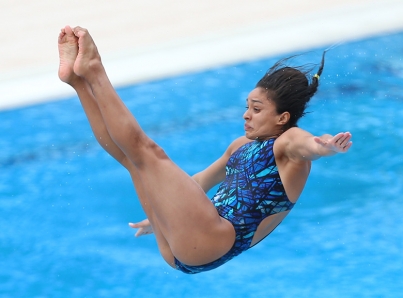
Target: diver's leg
(68, 49)
(162, 243)
(188, 220)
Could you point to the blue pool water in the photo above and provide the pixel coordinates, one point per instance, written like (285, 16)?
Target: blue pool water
(65, 204)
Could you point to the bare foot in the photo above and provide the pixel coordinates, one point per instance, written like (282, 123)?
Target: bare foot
(68, 50)
(88, 58)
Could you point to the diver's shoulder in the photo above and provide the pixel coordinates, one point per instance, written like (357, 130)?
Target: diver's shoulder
(238, 143)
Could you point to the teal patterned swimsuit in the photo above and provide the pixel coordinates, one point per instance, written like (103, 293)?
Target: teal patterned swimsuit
(251, 191)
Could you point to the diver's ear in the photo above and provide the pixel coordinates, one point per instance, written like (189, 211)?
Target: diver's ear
(284, 118)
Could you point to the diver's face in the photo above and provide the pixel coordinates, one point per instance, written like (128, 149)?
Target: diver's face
(261, 118)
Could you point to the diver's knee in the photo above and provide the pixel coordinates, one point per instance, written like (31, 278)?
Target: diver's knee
(151, 151)
(156, 150)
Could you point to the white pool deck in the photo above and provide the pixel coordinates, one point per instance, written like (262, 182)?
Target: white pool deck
(142, 40)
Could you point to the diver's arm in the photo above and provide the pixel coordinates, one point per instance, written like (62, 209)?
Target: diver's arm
(301, 145)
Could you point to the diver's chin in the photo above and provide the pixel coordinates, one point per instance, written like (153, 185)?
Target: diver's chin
(250, 136)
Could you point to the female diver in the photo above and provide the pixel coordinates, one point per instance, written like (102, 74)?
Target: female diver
(263, 173)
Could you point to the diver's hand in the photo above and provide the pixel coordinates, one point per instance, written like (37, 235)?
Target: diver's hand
(144, 228)
(340, 143)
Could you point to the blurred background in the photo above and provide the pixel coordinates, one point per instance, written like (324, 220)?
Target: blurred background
(142, 40)
(184, 69)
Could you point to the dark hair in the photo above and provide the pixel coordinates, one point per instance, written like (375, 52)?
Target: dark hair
(290, 89)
